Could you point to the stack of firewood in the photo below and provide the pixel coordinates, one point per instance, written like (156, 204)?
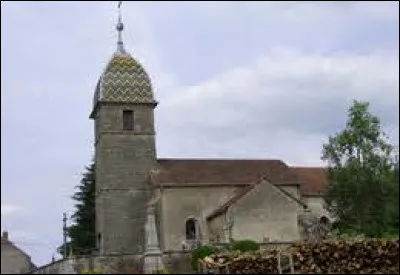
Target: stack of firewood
(245, 263)
(367, 256)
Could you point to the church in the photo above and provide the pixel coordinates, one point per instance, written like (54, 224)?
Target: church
(196, 201)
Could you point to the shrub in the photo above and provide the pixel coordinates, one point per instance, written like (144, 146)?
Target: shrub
(91, 272)
(245, 245)
(200, 253)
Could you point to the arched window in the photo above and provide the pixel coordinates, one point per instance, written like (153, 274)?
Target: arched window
(324, 220)
(191, 230)
(99, 243)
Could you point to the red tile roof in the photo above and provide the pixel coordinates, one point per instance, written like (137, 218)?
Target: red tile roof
(223, 171)
(314, 180)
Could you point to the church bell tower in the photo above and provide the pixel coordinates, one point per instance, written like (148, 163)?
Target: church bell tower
(123, 114)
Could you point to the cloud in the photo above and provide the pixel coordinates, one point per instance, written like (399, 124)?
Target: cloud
(218, 36)
(286, 97)
(11, 210)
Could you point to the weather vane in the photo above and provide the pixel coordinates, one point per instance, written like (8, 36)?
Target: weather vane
(120, 27)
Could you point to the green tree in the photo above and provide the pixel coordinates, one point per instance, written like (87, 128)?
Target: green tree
(82, 232)
(393, 196)
(362, 184)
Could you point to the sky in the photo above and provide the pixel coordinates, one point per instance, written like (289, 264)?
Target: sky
(265, 80)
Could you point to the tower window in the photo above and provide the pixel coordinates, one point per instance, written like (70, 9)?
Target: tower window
(98, 240)
(127, 120)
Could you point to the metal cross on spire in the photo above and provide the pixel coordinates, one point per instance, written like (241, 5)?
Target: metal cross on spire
(120, 27)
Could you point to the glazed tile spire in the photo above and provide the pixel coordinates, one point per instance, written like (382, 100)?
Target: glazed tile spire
(124, 79)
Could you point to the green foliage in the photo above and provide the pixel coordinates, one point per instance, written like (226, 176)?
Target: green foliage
(91, 272)
(245, 245)
(60, 249)
(200, 253)
(82, 233)
(363, 190)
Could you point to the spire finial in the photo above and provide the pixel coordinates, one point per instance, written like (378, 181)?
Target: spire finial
(120, 27)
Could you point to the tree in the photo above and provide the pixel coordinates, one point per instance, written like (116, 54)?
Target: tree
(82, 233)
(362, 178)
(393, 208)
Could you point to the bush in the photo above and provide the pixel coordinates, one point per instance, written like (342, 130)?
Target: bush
(200, 253)
(91, 272)
(245, 245)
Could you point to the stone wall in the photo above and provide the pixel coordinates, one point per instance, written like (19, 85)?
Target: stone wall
(123, 161)
(178, 262)
(265, 213)
(180, 204)
(316, 205)
(174, 261)
(105, 264)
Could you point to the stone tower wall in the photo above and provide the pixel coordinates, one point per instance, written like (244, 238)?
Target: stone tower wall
(123, 162)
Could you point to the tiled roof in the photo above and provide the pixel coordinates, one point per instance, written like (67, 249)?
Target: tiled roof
(123, 80)
(223, 171)
(314, 180)
(233, 172)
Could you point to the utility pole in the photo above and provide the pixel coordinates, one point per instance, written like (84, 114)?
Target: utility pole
(65, 234)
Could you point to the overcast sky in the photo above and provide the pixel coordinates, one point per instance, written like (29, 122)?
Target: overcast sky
(234, 80)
